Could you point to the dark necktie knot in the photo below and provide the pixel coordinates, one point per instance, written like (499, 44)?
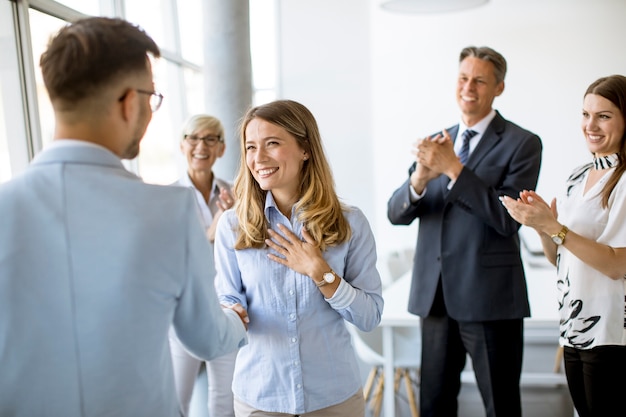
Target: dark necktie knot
(464, 153)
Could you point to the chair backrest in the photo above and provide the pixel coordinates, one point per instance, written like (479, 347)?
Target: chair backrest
(363, 349)
(407, 346)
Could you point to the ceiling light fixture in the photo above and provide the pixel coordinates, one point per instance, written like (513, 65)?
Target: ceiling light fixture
(430, 6)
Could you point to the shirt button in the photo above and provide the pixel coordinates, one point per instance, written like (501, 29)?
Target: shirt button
(294, 339)
(296, 363)
(298, 386)
(290, 292)
(292, 316)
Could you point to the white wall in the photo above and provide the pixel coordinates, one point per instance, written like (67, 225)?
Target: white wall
(324, 63)
(554, 48)
(377, 80)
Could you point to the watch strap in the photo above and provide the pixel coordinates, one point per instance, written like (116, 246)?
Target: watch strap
(323, 281)
(561, 235)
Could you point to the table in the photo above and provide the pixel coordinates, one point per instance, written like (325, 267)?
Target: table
(394, 315)
(538, 329)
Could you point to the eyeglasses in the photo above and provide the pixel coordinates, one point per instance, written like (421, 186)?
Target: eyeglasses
(155, 98)
(209, 140)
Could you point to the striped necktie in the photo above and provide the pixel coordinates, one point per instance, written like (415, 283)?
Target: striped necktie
(464, 153)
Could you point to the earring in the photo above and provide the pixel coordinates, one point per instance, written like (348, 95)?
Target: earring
(306, 158)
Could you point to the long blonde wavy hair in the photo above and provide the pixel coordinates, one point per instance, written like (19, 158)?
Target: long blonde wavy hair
(318, 206)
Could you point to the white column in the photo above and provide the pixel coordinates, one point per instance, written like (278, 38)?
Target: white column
(227, 72)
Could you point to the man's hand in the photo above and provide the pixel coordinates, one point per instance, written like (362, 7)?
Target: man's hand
(243, 314)
(422, 174)
(438, 155)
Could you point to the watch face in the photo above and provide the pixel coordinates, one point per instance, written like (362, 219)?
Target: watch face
(557, 239)
(329, 277)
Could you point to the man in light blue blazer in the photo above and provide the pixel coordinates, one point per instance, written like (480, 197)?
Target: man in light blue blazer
(95, 265)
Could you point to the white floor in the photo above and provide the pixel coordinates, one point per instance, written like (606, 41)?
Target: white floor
(536, 402)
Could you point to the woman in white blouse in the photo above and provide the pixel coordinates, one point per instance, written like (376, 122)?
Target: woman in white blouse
(584, 235)
(202, 144)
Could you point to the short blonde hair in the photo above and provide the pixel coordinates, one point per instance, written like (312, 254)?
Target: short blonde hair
(201, 122)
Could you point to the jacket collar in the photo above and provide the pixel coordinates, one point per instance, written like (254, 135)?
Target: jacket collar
(77, 152)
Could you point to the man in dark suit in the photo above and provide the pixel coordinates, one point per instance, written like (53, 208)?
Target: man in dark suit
(468, 282)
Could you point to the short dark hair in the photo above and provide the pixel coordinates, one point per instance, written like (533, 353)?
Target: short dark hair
(487, 54)
(87, 55)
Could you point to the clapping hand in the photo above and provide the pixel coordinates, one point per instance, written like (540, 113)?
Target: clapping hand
(226, 199)
(531, 210)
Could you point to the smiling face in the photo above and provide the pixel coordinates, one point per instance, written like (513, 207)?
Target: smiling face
(275, 159)
(476, 89)
(602, 125)
(201, 157)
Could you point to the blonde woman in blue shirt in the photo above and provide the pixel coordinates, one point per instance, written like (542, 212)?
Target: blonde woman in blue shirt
(301, 263)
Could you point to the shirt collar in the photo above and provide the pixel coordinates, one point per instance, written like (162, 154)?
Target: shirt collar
(479, 127)
(185, 180)
(271, 203)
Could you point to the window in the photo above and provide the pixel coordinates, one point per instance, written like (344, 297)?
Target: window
(42, 27)
(177, 75)
(14, 148)
(88, 7)
(177, 28)
(263, 49)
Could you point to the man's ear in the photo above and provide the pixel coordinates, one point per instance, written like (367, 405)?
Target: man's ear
(500, 88)
(128, 103)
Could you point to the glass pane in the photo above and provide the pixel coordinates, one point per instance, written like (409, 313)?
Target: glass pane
(264, 96)
(42, 28)
(157, 160)
(91, 7)
(152, 18)
(5, 161)
(190, 24)
(263, 43)
(194, 86)
(14, 154)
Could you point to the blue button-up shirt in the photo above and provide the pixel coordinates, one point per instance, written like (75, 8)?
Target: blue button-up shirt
(299, 357)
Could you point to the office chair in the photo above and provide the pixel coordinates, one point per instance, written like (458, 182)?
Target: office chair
(407, 363)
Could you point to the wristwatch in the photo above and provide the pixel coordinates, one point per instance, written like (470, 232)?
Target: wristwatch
(559, 238)
(328, 278)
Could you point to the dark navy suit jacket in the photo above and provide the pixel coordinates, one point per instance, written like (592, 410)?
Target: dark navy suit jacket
(466, 236)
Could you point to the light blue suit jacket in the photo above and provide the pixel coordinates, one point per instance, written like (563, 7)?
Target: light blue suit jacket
(95, 265)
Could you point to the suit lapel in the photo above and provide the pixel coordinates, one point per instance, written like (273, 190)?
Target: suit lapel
(489, 140)
(444, 180)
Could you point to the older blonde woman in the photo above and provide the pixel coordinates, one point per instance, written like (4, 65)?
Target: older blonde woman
(202, 144)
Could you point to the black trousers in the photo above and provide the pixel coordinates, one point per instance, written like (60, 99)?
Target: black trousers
(496, 349)
(596, 379)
